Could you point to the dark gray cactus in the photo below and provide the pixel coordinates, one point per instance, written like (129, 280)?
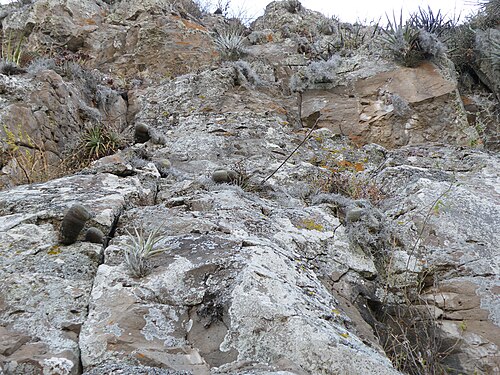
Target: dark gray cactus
(73, 223)
(94, 235)
(141, 134)
(225, 176)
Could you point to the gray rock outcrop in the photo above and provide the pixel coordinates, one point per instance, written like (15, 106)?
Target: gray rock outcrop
(374, 240)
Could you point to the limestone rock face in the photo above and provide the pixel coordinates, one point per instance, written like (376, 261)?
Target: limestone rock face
(130, 37)
(277, 250)
(45, 286)
(393, 108)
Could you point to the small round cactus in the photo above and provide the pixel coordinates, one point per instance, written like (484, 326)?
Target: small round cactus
(94, 235)
(354, 214)
(225, 176)
(73, 223)
(163, 166)
(141, 133)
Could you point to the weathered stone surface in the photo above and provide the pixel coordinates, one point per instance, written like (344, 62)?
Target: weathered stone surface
(147, 38)
(32, 111)
(45, 287)
(394, 108)
(488, 67)
(230, 306)
(451, 205)
(284, 270)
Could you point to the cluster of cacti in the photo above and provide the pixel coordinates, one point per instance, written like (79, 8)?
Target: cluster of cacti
(73, 223)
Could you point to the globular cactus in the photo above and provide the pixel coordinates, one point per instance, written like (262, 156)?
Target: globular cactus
(141, 134)
(73, 223)
(225, 176)
(94, 235)
(163, 166)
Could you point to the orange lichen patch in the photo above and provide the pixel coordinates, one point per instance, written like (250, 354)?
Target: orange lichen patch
(467, 101)
(347, 165)
(269, 37)
(183, 42)
(358, 167)
(190, 25)
(278, 109)
(88, 21)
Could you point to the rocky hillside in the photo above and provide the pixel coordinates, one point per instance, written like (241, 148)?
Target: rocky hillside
(183, 194)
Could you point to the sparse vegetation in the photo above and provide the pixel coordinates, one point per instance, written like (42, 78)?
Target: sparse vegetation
(352, 37)
(402, 40)
(141, 248)
(434, 23)
(26, 158)
(417, 39)
(11, 55)
(95, 142)
(316, 72)
(292, 6)
(489, 14)
(230, 41)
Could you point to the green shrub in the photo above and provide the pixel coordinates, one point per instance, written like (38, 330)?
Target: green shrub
(95, 142)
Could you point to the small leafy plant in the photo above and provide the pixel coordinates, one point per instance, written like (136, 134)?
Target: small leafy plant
(140, 250)
(11, 55)
(230, 42)
(402, 40)
(95, 142)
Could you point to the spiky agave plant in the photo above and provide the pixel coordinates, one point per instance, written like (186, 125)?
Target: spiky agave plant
(491, 8)
(402, 40)
(140, 249)
(434, 23)
(230, 42)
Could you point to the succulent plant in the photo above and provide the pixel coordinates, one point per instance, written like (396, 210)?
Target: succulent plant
(94, 235)
(141, 134)
(73, 223)
(140, 249)
(224, 176)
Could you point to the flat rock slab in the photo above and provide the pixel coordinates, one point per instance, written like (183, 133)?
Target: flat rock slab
(104, 195)
(216, 299)
(44, 286)
(392, 108)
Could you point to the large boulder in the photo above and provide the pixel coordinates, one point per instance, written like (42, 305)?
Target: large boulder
(146, 38)
(45, 287)
(392, 108)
